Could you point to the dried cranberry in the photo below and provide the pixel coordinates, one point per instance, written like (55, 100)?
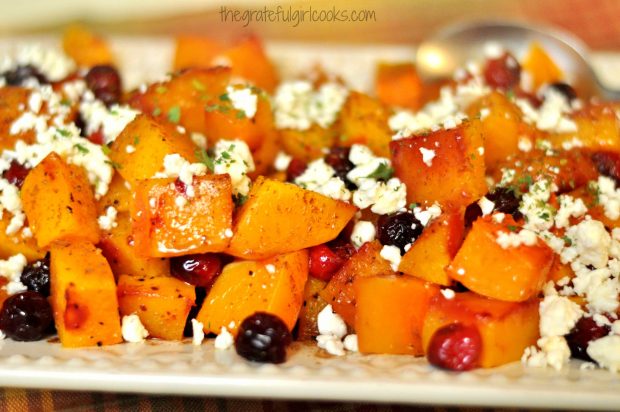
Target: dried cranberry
(16, 174)
(19, 75)
(323, 262)
(472, 213)
(398, 230)
(338, 159)
(36, 276)
(105, 82)
(455, 347)
(197, 270)
(263, 337)
(344, 249)
(585, 331)
(564, 89)
(505, 201)
(295, 168)
(608, 164)
(26, 316)
(503, 72)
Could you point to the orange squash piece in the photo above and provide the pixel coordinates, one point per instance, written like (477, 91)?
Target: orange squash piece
(167, 222)
(514, 274)
(149, 142)
(307, 329)
(161, 302)
(399, 85)
(273, 285)
(118, 196)
(260, 231)
(506, 328)
(195, 51)
(83, 296)
(364, 120)
(85, 47)
(118, 246)
(307, 145)
(433, 251)
(390, 312)
(59, 202)
(340, 293)
(456, 174)
(539, 64)
(11, 98)
(13, 244)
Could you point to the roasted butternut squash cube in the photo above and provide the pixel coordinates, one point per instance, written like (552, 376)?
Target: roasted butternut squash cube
(11, 98)
(491, 264)
(185, 98)
(506, 328)
(161, 302)
(433, 251)
(540, 66)
(118, 196)
(139, 151)
(399, 85)
(195, 51)
(311, 219)
(390, 312)
(598, 128)
(307, 145)
(59, 202)
(364, 120)
(340, 293)
(167, 221)
(265, 155)
(86, 48)
(83, 295)
(17, 243)
(118, 247)
(308, 329)
(273, 285)
(446, 166)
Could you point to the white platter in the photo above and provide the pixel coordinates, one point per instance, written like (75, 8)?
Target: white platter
(184, 369)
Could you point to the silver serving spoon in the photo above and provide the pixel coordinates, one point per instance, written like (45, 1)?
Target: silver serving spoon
(455, 45)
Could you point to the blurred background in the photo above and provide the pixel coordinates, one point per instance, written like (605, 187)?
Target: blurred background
(390, 21)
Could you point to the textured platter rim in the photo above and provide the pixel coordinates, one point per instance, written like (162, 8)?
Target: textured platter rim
(182, 369)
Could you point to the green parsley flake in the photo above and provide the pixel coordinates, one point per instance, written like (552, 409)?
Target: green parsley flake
(382, 172)
(174, 114)
(203, 157)
(81, 148)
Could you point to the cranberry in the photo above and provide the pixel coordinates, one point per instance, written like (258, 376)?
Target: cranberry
(398, 230)
(324, 262)
(26, 316)
(338, 159)
(105, 83)
(455, 347)
(263, 337)
(564, 89)
(503, 72)
(585, 331)
(505, 201)
(344, 249)
(16, 174)
(295, 168)
(608, 164)
(197, 270)
(472, 213)
(19, 75)
(36, 276)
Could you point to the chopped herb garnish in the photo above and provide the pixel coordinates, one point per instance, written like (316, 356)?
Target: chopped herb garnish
(512, 228)
(161, 89)
(196, 84)
(81, 148)
(224, 97)
(382, 172)
(174, 114)
(136, 140)
(240, 114)
(239, 199)
(413, 205)
(203, 157)
(114, 164)
(63, 132)
(106, 149)
(156, 111)
(225, 155)
(567, 241)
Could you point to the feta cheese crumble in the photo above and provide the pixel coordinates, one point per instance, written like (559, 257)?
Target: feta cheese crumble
(321, 178)
(392, 255)
(243, 99)
(234, 157)
(606, 352)
(12, 269)
(332, 330)
(282, 161)
(427, 156)
(198, 334)
(108, 221)
(363, 231)
(133, 330)
(224, 340)
(175, 166)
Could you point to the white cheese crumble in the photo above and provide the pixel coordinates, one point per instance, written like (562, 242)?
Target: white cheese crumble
(108, 221)
(486, 206)
(350, 343)
(606, 352)
(224, 340)
(427, 156)
(198, 333)
(175, 166)
(511, 240)
(243, 99)
(297, 106)
(363, 231)
(558, 315)
(535, 206)
(448, 293)
(524, 144)
(11, 269)
(552, 115)
(608, 197)
(11, 201)
(569, 207)
(270, 268)
(51, 62)
(110, 122)
(392, 255)
(282, 161)
(553, 352)
(133, 330)
(331, 344)
(321, 178)
(330, 323)
(234, 158)
(425, 216)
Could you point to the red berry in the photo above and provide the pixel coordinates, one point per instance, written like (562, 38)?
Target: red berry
(263, 337)
(607, 164)
(398, 230)
(503, 72)
(96, 137)
(16, 174)
(585, 331)
(455, 347)
(324, 262)
(197, 270)
(105, 83)
(295, 168)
